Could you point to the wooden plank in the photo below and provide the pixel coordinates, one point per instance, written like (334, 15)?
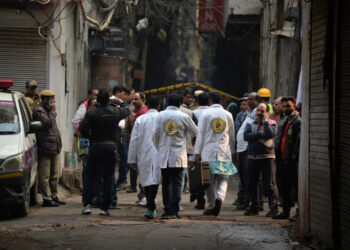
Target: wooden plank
(321, 142)
(320, 162)
(319, 95)
(318, 155)
(319, 129)
(321, 201)
(321, 168)
(318, 116)
(319, 122)
(321, 196)
(315, 148)
(320, 175)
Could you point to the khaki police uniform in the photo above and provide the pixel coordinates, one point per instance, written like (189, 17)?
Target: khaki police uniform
(49, 148)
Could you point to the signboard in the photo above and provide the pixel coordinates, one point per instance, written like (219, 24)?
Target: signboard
(211, 15)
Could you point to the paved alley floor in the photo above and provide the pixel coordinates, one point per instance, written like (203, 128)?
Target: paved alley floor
(65, 228)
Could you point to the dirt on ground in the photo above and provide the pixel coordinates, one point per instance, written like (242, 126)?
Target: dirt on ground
(65, 228)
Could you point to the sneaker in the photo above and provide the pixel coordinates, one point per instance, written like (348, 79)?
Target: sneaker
(131, 190)
(58, 201)
(271, 213)
(209, 212)
(86, 210)
(199, 206)
(50, 203)
(251, 211)
(186, 190)
(165, 216)
(281, 216)
(142, 202)
(104, 212)
(114, 206)
(121, 187)
(149, 214)
(175, 216)
(242, 206)
(217, 208)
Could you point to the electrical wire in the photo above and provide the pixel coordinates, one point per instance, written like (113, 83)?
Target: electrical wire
(59, 23)
(43, 2)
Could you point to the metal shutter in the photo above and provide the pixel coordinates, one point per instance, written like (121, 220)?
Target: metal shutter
(344, 124)
(22, 57)
(320, 174)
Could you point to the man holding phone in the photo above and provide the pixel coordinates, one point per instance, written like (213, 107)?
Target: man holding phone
(49, 148)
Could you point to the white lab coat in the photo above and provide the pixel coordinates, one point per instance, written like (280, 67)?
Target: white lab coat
(199, 111)
(172, 148)
(215, 146)
(142, 150)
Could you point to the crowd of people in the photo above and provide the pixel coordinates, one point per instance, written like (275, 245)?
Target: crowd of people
(154, 140)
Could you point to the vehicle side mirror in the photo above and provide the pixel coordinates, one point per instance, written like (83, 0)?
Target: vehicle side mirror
(35, 126)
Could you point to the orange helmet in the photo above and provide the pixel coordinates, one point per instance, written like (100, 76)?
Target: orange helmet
(264, 92)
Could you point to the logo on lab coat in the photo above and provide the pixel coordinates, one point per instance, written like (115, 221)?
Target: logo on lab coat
(218, 125)
(170, 127)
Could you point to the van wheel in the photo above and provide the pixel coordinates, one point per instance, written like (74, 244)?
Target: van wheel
(22, 209)
(34, 192)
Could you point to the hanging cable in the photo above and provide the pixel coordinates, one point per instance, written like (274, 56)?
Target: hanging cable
(43, 2)
(93, 21)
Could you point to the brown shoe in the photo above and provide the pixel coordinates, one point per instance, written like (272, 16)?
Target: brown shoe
(131, 190)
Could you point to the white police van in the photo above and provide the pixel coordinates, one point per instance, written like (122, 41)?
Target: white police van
(18, 151)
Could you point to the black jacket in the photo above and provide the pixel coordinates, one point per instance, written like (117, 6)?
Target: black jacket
(101, 125)
(260, 143)
(292, 138)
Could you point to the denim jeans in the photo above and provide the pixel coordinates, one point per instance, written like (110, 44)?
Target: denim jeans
(171, 188)
(101, 157)
(123, 165)
(84, 176)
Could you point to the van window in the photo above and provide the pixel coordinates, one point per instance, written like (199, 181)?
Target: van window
(25, 115)
(9, 123)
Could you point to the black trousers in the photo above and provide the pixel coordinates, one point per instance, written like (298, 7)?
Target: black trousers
(171, 188)
(151, 193)
(287, 183)
(243, 196)
(101, 157)
(267, 169)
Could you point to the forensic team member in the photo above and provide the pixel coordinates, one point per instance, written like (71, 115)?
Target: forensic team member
(169, 137)
(101, 127)
(143, 154)
(215, 144)
(49, 148)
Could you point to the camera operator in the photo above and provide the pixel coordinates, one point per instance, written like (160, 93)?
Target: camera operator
(101, 127)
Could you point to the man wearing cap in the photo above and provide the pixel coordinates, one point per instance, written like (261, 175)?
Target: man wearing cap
(49, 148)
(31, 92)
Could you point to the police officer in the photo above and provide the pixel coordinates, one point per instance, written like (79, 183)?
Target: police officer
(101, 127)
(31, 92)
(49, 148)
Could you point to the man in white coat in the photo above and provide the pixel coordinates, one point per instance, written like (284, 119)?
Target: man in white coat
(202, 101)
(169, 137)
(215, 144)
(143, 155)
